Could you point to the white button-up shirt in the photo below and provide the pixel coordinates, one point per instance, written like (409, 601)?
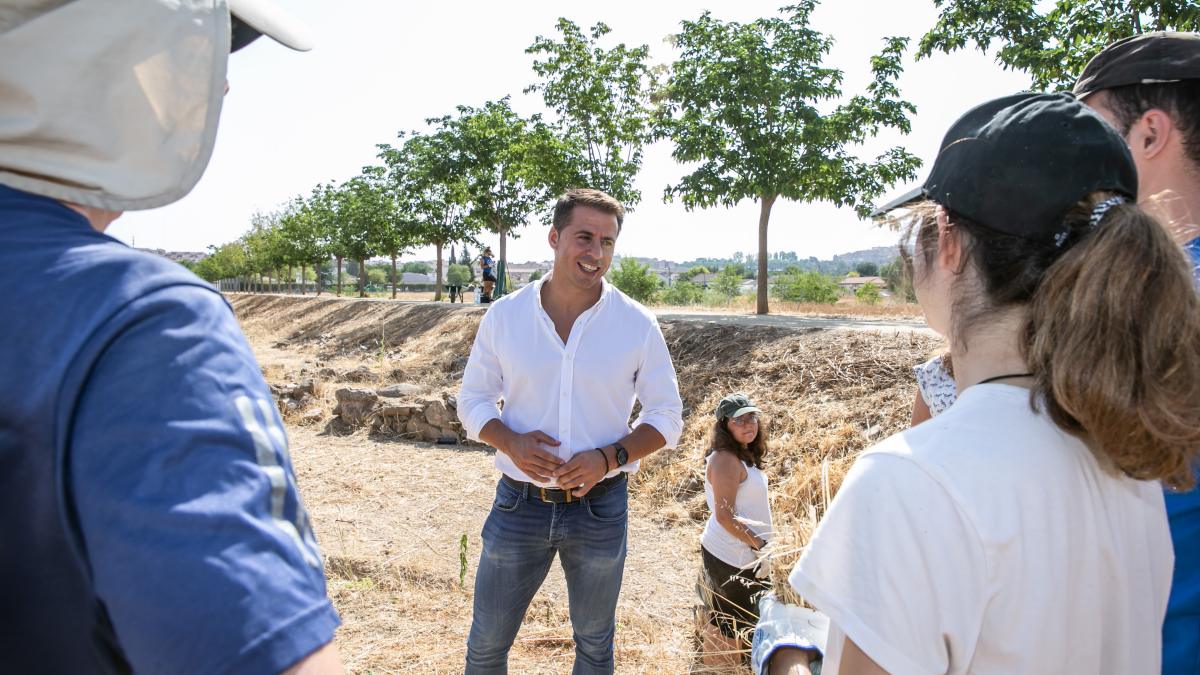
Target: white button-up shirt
(580, 393)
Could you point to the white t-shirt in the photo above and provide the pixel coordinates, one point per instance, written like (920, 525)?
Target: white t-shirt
(988, 541)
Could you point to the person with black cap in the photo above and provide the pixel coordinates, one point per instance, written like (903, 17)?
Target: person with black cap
(1148, 88)
(153, 521)
(738, 525)
(1023, 529)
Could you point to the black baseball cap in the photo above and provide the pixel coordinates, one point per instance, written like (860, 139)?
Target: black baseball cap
(1149, 58)
(1018, 164)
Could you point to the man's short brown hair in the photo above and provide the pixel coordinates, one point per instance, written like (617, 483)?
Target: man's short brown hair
(601, 201)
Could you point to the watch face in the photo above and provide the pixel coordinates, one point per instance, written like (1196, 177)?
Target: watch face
(622, 456)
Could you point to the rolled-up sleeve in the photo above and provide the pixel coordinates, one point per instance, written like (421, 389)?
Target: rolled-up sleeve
(483, 382)
(657, 389)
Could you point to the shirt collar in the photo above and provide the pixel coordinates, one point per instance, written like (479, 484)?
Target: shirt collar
(606, 290)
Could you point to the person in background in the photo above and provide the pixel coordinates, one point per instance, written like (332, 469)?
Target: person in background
(154, 524)
(1148, 88)
(738, 526)
(1077, 386)
(487, 267)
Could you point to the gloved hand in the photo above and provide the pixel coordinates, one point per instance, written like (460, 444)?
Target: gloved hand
(781, 625)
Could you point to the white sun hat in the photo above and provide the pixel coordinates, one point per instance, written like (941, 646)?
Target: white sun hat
(114, 103)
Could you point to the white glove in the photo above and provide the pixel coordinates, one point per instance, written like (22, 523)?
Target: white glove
(781, 625)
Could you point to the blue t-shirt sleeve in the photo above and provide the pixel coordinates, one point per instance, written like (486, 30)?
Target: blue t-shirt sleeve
(199, 547)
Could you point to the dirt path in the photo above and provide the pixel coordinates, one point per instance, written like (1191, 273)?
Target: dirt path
(798, 322)
(716, 316)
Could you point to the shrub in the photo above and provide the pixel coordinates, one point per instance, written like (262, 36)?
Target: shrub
(868, 294)
(797, 286)
(729, 281)
(635, 280)
(458, 275)
(684, 292)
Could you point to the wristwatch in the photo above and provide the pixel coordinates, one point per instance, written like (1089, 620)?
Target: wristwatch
(622, 454)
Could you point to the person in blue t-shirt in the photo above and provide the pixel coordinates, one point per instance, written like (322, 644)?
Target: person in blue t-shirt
(487, 267)
(153, 523)
(1148, 88)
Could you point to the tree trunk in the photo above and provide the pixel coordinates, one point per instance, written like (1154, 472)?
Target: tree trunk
(339, 276)
(393, 276)
(362, 278)
(503, 266)
(303, 279)
(437, 288)
(764, 216)
(291, 280)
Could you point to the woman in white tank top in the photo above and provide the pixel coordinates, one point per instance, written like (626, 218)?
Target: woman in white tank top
(739, 525)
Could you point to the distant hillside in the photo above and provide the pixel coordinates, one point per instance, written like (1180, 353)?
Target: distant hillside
(879, 255)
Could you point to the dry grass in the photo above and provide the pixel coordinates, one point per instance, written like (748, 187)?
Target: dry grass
(390, 515)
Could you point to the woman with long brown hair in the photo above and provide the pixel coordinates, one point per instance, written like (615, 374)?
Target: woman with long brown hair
(1023, 529)
(739, 523)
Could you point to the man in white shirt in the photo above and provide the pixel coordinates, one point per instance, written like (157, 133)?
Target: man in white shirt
(567, 355)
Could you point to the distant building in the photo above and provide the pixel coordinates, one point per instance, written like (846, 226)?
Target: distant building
(189, 257)
(854, 283)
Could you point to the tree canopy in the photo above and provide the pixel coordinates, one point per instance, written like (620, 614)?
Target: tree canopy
(601, 99)
(744, 101)
(1051, 42)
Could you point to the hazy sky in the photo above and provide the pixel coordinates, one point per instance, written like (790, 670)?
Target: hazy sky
(292, 119)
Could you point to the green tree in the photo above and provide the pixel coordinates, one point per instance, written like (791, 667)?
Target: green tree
(693, 272)
(745, 102)
(362, 209)
(415, 267)
(868, 294)
(227, 261)
(601, 98)
(501, 159)
(867, 269)
(535, 275)
(393, 228)
(635, 280)
(683, 293)
(306, 235)
(796, 285)
(425, 170)
(728, 281)
(458, 275)
(1052, 42)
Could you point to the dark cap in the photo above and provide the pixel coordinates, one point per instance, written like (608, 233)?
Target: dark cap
(735, 405)
(1019, 163)
(1149, 58)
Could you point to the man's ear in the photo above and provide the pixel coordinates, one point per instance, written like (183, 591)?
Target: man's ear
(552, 237)
(1148, 136)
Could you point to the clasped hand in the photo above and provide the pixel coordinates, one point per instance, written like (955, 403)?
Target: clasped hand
(579, 474)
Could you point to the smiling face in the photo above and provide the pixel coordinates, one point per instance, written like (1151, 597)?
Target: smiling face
(583, 249)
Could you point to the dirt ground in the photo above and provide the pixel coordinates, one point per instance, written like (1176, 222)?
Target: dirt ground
(393, 516)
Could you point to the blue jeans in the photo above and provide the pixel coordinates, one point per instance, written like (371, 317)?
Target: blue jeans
(520, 538)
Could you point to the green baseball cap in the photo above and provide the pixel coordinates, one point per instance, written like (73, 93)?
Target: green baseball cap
(735, 405)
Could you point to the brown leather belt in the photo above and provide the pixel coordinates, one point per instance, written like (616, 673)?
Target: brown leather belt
(557, 496)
